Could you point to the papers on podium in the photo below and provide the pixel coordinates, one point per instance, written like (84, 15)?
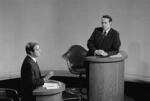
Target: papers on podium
(51, 85)
(116, 56)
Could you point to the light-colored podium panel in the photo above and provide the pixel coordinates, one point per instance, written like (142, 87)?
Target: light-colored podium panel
(106, 78)
(43, 94)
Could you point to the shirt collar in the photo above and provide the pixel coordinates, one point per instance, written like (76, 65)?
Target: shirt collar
(107, 31)
(33, 58)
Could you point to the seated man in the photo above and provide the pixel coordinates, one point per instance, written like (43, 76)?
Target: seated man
(30, 72)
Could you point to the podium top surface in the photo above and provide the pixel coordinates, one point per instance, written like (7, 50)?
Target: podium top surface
(44, 91)
(115, 58)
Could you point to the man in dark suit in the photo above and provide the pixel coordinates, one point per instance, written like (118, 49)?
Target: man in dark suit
(30, 72)
(105, 40)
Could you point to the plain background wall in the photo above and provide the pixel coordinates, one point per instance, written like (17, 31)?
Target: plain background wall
(58, 24)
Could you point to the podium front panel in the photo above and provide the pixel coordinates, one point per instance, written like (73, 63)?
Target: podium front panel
(43, 94)
(106, 78)
(53, 97)
(106, 81)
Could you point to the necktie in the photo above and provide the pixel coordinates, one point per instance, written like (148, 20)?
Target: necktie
(104, 33)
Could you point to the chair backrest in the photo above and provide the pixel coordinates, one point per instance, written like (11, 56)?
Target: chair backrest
(75, 56)
(7, 93)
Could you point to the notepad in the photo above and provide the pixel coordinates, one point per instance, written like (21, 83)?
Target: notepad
(51, 85)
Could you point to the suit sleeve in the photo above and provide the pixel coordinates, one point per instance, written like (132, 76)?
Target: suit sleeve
(90, 43)
(34, 79)
(116, 45)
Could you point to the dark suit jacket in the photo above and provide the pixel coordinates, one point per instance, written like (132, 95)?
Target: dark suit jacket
(110, 43)
(30, 78)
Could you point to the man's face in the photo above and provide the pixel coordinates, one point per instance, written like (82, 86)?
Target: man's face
(105, 23)
(36, 52)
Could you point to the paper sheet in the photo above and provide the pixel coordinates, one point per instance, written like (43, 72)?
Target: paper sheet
(117, 55)
(51, 85)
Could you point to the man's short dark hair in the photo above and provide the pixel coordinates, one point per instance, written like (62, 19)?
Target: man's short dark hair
(108, 17)
(30, 47)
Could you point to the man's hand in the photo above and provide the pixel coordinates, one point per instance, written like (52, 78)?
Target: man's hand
(100, 52)
(49, 75)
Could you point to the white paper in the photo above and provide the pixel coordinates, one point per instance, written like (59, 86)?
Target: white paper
(117, 55)
(51, 85)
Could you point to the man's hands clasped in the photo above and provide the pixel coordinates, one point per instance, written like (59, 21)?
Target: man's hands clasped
(100, 52)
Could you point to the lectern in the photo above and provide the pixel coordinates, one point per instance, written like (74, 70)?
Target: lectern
(106, 77)
(43, 94)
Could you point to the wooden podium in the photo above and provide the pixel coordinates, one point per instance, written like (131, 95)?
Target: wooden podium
(43, 94)
(106, 78)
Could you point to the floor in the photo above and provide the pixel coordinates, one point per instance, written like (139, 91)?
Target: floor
(69, 91)
(72, 90)
(133, 90)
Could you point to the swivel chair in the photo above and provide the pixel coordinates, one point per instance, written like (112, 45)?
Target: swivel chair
(8, 94)
(75, 58)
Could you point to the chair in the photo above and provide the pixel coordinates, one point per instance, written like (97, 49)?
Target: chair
(67, 96)
(75, 58)
(8, 94)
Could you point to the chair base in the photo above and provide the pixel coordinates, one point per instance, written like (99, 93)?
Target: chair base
(69, 96)
(81, 95)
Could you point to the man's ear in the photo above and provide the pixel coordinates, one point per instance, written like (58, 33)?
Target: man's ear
(110, 23)
(31, 53)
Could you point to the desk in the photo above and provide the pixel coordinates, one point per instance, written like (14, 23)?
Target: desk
(106, 78)
(43, 94)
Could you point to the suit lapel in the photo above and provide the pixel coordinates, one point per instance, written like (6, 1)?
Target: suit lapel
(35, 66)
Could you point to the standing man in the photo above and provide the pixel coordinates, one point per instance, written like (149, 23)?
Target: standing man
(30, 72)
(105, 40)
